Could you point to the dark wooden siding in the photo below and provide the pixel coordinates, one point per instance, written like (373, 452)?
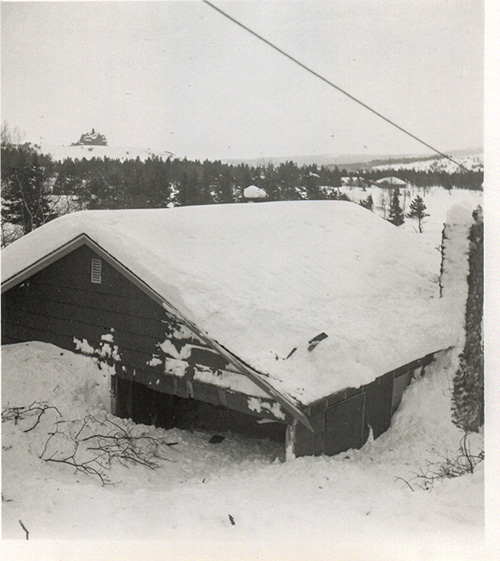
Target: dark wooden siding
(60, 304)
(339, 421)
(345, 425)
(378, 405)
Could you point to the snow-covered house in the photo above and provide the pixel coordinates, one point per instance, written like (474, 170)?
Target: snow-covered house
(391, 182)
(314, 315)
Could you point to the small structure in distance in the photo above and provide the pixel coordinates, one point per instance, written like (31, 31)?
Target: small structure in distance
(392, 182)
(253, 193)
(91, 139)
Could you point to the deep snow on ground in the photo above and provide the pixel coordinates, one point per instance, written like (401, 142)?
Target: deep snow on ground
(355, 496)
(437, 200)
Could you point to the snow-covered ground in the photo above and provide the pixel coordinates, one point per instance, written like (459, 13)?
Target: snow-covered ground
(471, 162)
(367, 498)
(60, 152)
(437, 200)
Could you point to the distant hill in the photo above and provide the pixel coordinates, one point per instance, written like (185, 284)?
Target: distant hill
(355, 162)
(61, 152)
(319, 159)
(473, 162)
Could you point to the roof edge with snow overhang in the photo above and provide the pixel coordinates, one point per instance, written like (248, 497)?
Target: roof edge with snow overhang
(85, 240)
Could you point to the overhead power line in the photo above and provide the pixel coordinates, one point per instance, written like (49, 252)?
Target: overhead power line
(314, 73)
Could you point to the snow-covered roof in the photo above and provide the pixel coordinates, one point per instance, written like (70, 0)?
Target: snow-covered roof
(254, 192)
(262, 280)
(390, 181)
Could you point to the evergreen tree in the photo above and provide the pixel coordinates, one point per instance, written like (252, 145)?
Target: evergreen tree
(417, 210)
(367, 203)
(187, 193)
(25, 186)
(447, 184)
(396, 214)
(193, 189)
(310, 182)
(224, 192)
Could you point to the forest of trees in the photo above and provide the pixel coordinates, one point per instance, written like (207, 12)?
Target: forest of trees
(472, 179)
(107, 183)
(31, 181)
(155, 183)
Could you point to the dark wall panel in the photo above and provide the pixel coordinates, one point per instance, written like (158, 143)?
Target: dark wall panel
(62, 301)
(398, 387)
(345, 425)
(307, 443)
(378, 405)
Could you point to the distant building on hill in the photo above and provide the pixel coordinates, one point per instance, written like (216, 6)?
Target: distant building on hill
(391, 182)
(91, 139)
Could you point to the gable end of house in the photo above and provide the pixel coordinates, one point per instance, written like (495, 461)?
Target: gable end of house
(91, 262)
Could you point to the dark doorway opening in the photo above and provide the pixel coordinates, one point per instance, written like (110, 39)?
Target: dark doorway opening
(143, 405)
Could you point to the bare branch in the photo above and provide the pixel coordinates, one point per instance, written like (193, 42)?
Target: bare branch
(25, 529)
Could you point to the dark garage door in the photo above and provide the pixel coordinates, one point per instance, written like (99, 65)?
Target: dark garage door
(344, 425)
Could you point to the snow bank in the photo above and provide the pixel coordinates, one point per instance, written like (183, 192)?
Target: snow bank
(73, 383)
(263, 279)
(314, 505)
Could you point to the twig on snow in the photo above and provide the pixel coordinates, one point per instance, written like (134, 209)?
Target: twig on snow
(25, 529)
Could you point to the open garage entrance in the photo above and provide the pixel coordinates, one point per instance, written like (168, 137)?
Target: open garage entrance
(136, 401)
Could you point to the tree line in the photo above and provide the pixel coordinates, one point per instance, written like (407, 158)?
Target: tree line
(472, 179)
(156, 183)
(31, 181)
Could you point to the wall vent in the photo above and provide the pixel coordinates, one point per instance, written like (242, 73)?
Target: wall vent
(95, 272)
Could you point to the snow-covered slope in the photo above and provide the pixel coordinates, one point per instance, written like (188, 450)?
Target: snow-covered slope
(60, 152)
(352, 506)
(263, 279)
(437, 200)
(473, 162)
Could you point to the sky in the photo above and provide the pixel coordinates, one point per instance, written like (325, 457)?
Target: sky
(178, 76)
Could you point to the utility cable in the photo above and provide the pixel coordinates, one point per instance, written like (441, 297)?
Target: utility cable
(358, 101)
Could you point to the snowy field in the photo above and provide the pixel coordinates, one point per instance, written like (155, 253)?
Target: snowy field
(437, 200)
(359, 497)
(61, 152)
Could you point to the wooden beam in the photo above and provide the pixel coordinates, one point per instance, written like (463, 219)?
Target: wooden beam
(255, 376)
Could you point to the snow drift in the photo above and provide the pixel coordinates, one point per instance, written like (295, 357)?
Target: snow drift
(359, 496)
